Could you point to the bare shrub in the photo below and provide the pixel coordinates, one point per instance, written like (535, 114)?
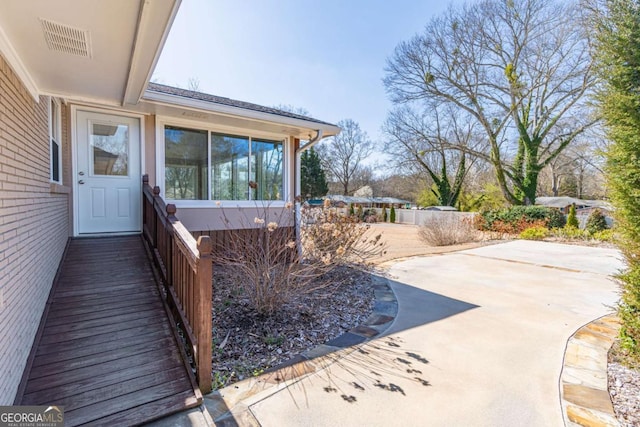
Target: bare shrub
(446, 229)
(273, 267)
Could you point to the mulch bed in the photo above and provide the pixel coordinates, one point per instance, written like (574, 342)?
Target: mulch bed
(246, 343)
(624, 388)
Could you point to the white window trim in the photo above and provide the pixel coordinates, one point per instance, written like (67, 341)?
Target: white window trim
(162, 121)
(55, 122)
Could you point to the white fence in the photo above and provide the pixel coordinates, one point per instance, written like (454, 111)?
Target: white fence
(418, 217)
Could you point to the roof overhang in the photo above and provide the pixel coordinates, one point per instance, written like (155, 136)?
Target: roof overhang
(115, 46)
(229, 116)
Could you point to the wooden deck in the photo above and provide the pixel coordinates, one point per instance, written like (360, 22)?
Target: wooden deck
(108, 351)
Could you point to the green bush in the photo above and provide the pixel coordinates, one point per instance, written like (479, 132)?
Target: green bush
(629, 312)
(392, 215)
(570, 233)
(572, 219)
(596, 222)
(604, 235)
(517, 217)
(535, 233)
(488, 198)
(617, 43)
(352, 211)
(384, 214)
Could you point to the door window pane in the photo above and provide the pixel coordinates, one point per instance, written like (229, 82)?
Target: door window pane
(185, 164)
(110, 148)
(266, 169)
(229, 167)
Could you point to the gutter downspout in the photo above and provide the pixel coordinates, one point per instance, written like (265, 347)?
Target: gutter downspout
(298, 189)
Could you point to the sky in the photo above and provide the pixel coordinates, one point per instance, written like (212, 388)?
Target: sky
(326, 56)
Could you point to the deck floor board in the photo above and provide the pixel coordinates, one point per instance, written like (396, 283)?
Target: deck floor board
(87, 350)
(107, 352)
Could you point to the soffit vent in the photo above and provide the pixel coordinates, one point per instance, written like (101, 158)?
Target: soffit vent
(63, 38)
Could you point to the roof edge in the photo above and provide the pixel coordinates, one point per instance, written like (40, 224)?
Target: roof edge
(217, 107)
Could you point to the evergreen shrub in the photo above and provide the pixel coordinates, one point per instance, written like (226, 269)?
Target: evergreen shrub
(596, 222)
(572, 218)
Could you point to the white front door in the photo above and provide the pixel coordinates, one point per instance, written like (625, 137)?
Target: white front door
(109, 184)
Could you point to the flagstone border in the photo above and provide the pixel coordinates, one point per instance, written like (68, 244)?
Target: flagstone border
(584, 391)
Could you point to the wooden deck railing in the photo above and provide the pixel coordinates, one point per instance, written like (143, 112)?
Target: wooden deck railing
(185, 265)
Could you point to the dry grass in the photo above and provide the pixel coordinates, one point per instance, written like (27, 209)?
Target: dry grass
(278, 267)
(447, 229)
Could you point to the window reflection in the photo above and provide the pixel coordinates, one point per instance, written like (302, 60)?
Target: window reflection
(110, 145)
(185, 164)
(266, 169)
(229, 167)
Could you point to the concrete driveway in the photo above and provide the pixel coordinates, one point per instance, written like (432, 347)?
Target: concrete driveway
(478, 340)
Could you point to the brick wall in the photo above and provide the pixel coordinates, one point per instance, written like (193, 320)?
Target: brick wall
(34, 224)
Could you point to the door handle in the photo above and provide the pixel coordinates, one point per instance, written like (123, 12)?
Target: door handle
(81, 182)
(80, 173)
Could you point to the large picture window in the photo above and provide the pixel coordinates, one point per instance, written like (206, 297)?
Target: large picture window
(233, 167)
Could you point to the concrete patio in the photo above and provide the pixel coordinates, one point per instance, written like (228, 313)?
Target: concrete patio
(478, 340)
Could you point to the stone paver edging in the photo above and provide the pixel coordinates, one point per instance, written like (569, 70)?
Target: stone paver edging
(583, 383)
(230, 405)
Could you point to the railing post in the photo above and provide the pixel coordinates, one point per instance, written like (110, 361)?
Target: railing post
(203, 313)
(171, 219)
(156, 194)
(145, 182)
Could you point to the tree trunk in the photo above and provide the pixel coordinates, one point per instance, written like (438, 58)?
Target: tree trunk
(555, 183)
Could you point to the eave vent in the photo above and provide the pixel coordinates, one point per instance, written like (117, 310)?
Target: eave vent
(62, 38)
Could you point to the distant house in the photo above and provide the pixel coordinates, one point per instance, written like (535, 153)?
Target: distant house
(368, 202)
(79, 126)
(584, 207)
(441, 208)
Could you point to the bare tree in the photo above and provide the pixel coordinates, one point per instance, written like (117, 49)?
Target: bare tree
(553, 176)
(364, 176)
(301, 111)
(421, 141)
(520, 68)
(405, 186)
(343, 155)
(193, 84)
(578, 168)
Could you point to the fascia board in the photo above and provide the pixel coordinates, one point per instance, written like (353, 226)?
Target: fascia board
(143, 62)
(200, 105)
